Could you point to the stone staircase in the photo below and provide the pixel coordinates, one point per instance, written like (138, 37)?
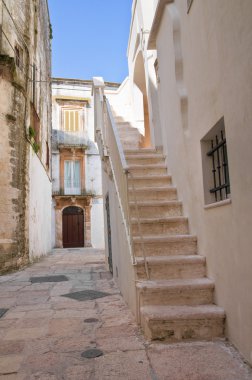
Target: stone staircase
(129, 136)
(176, 301)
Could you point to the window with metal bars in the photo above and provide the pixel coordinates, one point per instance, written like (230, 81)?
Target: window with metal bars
(215, 164)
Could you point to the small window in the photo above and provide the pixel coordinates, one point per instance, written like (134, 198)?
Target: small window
(156, 67)
(35, 123)
(19, 56)
(71, 120)
(47, 155)
(215, 164)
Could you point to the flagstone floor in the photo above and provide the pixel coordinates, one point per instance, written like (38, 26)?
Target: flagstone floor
(48, 333)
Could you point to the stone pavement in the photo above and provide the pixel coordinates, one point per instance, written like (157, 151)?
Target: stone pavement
(45, 335)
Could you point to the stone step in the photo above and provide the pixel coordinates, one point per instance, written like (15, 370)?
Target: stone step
(179, 292)
(126, 127)
(128, 141)
(119, 119)
(141, 151)
(128, 133)
(168, 193)
(149, 169)
(159, 209)
(131, 143)
(150, 181)
(144, 159)
(172, 267)
(181, 323)
(165, 245)
(121, 123)
(161, 226)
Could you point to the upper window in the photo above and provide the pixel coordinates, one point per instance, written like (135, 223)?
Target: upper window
(71, 120)
(215, 164)
(72, 181)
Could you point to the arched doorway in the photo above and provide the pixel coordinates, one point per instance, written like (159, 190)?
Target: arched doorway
(140, 82)
(73, 227)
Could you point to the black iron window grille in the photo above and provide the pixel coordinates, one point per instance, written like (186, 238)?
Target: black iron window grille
(220, 172)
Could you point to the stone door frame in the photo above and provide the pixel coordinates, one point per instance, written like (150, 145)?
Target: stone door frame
(62, 202)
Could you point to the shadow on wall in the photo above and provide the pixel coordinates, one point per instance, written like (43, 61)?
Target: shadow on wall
(140, 82)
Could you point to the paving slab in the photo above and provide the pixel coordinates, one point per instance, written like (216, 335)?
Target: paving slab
(44, 334)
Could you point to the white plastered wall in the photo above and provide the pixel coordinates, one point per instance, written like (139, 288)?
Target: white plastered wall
(123, 270)
(39, 209)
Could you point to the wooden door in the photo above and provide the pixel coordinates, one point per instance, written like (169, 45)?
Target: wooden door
(73, 227)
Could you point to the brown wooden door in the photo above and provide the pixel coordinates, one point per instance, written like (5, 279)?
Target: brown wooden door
(73, 227)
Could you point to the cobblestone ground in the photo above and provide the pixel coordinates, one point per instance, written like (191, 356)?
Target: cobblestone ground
(45, 335)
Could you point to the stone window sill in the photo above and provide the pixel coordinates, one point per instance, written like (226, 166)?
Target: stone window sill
(218, 204)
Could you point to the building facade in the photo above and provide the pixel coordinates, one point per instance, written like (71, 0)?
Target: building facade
(25, 114)
(190, 93)
(77, 192)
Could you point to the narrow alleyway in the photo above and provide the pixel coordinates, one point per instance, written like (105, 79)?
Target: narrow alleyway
(45, 334)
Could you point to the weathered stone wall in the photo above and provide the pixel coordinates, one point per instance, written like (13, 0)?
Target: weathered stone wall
(13, 170)
(24, 25)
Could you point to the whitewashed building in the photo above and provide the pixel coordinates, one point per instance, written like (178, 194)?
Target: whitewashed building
(176, 138)
(77, 215)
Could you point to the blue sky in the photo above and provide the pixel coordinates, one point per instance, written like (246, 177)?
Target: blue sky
(90, 38)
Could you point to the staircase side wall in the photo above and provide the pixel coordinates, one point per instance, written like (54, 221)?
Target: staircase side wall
(123, 270)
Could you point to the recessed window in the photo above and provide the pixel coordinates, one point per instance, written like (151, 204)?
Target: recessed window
(156, 67)
(71, 120)
(215, 164)
(19, 56)
(47, 155)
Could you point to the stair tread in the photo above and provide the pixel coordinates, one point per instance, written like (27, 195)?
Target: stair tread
(147, 166)
(182, 312)
(141, 150)
(143, 155)
(203, 282)
(166, 238)
(167, 219)
(154, 203)
(128, 131)
(150, 189)
(178, 259)
(149, 176)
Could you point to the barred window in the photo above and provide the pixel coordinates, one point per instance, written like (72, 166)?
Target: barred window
(215, 164)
